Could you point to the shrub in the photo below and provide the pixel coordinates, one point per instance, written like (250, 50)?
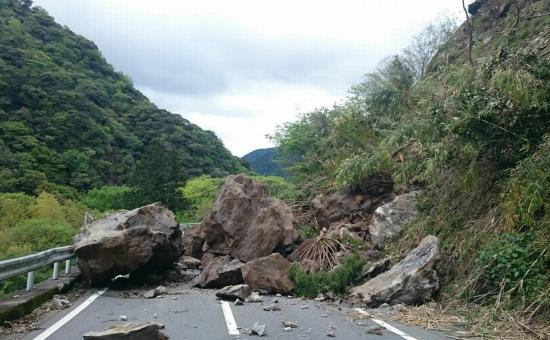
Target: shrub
(40, 234)
(14, 208)
(349, 272)
(199, 194)
(106, 198)
(512, 264)
(47, 207)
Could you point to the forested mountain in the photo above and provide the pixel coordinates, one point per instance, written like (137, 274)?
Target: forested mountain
(68, 119)
(265, 162)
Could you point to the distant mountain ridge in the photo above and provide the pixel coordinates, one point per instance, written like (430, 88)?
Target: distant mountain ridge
(264, 162)
(68, 119)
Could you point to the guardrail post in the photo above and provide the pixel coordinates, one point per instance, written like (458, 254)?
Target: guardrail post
(55, 271)
(67, 266)
(30, 280)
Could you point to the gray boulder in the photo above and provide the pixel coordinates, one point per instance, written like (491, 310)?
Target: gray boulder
(145, 239)
(391, 218)
(240, 292)
(411, 281)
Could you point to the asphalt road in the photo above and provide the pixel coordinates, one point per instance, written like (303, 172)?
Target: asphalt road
(197, 314)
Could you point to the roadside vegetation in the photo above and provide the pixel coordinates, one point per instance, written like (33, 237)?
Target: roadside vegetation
(476, 136)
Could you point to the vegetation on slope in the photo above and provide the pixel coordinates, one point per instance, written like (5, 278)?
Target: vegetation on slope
(69, 121)
(476, 136)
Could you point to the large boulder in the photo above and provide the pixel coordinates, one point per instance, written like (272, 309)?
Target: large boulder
(391, 218)
(269, 273)
(411, 281)
(140, 240)
(245, 222)
(193, 241)
(219, 272)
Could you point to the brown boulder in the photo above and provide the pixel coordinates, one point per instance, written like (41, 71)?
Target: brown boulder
(193, 241)
(270, 273)
(141, 240)
(334, 209)
(219, 272)
(245, 222)
(129, 331)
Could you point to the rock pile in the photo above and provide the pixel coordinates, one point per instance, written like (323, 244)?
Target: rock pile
(241, 241)
(240, 238)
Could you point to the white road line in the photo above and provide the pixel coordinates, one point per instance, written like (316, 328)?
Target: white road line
(53, 328)
(387, 326)
(229, 319)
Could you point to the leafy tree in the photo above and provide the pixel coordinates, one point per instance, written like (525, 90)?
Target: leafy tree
(106, 198)
(425, 45)
(157, 177)
(67, 119)
(47, 207)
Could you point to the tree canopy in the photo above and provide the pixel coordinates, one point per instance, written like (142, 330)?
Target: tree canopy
(68, 119)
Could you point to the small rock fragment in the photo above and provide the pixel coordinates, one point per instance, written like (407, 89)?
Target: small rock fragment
(253, 297)
(61, 302)
(272, 308)
(150, 294)
(123, 318)
(320, 298)
(238, 302)
(257, 329)
(375, 330)
(241, 292)
(290, 324)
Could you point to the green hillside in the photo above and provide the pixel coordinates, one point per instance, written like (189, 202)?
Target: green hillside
(475, 134)
(67, 118)
(266, 162)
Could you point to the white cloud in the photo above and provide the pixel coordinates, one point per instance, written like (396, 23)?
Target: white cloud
(245, 116)
(241, 67)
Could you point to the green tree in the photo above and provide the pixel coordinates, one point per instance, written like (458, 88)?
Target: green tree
(157, 178)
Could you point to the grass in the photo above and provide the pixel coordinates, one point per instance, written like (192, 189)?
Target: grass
(349, 272)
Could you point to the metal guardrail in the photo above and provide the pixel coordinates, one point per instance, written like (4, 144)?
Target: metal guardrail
(30, 263)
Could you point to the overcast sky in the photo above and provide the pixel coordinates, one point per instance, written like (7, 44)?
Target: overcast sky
(241, 67)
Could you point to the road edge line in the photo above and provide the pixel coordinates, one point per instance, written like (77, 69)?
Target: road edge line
(229, 319)
(387, 325)
(61, 322)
